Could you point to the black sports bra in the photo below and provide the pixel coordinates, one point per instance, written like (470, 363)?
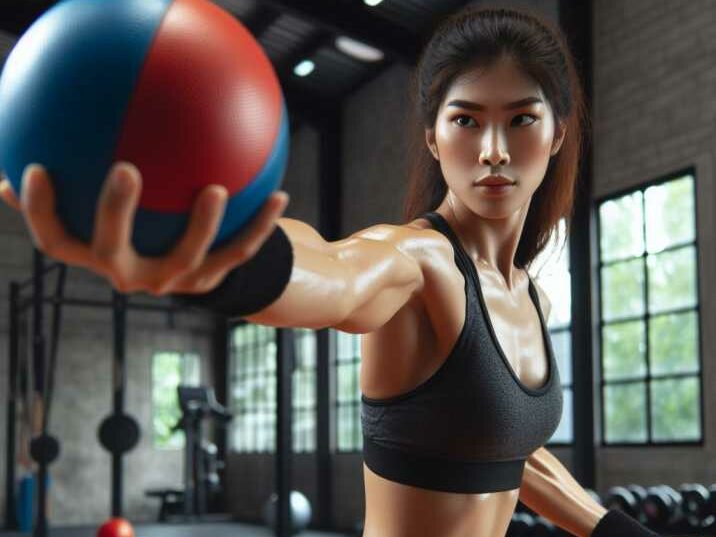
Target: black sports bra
(471, 426)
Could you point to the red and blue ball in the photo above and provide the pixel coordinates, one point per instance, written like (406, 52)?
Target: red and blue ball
(180, 88)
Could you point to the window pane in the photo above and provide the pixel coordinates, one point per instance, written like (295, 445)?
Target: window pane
(622, 289)
(348, 417)
(253, 388)
(669, 213)
(562, 345)
(552, 274)
(625, 413)
(170, 370)
(267, 427)
(673, 343)
(306, 347)
(304, 430)
(623, 351)
(348, 346)
(564, 432)
(672, 279)
(348, 387)
(675, 409)
(620, 230)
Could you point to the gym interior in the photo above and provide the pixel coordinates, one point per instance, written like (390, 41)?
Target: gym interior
(186, 422)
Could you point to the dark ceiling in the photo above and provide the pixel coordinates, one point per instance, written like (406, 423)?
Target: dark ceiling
(291, 31)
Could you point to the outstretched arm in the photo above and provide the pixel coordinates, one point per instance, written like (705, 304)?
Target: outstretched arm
(354, 284)
(550, 490)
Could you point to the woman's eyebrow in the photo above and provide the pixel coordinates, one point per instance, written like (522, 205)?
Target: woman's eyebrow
(509, 106)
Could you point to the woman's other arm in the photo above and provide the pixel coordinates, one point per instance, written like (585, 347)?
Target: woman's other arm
(550, 490)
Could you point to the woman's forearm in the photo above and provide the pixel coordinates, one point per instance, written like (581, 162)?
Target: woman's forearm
(551, 491)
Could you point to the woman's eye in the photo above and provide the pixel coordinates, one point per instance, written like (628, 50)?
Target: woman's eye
(462, 117)
(468, 119)
(534, 118)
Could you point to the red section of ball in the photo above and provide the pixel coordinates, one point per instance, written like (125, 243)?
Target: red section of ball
(116, 527)
(207, 108)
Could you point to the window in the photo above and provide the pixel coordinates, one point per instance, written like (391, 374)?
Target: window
(350, 435)
(170, 370)
(253, 389)
(553, 275)
(649, 316)
(304, 391)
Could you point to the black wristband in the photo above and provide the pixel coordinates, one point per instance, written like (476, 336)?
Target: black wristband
(616, 523)
(251, 286)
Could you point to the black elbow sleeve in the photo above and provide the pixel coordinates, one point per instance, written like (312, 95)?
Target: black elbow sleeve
(252, 286)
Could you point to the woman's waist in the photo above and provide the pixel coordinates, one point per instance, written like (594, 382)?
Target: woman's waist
(396, 510)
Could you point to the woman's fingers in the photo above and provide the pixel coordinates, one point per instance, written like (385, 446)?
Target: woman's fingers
(190, 252)
(38, 208)
(8, 195)
(238, 251)
(114, 216)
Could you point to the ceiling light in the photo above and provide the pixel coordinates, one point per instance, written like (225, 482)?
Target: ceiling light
(372, 3)
(304, 68)
(359, 51)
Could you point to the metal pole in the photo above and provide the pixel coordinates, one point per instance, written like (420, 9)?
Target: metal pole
(13, 356)
(285, 358)
(38, 353)
(119, 318)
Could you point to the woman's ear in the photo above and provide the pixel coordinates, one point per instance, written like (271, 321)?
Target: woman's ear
(558, 138)
(430, 140)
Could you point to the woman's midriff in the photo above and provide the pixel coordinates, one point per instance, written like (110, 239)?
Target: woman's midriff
(397, 510)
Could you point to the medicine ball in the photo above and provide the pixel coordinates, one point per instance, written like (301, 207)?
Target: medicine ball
(179, 88)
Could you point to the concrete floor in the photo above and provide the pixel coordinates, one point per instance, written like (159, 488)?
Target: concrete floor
(233, 529)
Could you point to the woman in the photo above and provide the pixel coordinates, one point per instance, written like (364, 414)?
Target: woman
(460, 388)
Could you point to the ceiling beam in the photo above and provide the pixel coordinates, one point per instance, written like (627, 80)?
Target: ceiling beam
(351, 19)
(260, 20)
(17, 16)
(306, 105)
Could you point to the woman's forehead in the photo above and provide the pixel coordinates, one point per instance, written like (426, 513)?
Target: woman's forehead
(502, 82)
(506, 81)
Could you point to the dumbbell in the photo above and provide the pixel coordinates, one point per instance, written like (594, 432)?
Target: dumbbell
(696, 501)
(639, 493)
(623, 499)
(542, 528)
(662, 506)
(521, 525)
(526, 525)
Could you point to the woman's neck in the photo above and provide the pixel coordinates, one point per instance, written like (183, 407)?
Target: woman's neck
(490, 242)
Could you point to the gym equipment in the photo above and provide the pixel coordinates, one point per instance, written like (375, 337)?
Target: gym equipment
(197, 404)
(300, 511)
(201, 459)
(662, 506)
(118, 433)
(623, 499)
(31, 379)
(116, 527)
(179, 88)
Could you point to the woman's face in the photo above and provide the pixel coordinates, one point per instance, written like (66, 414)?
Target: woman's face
(472, 141)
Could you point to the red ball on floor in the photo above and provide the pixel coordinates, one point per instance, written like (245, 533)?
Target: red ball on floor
(116, 527)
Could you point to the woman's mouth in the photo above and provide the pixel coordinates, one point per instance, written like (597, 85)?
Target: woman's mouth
(495, 190)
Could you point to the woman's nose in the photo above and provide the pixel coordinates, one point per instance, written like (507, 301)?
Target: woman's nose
(494, 151)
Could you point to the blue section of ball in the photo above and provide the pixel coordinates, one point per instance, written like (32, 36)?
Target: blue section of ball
(92, 70)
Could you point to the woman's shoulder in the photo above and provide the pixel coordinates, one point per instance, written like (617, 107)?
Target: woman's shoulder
(416, 238)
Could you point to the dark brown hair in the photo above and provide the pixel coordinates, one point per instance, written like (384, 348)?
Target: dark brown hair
(478, 37)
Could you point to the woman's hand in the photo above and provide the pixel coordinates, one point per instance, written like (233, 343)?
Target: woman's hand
(186, 269)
